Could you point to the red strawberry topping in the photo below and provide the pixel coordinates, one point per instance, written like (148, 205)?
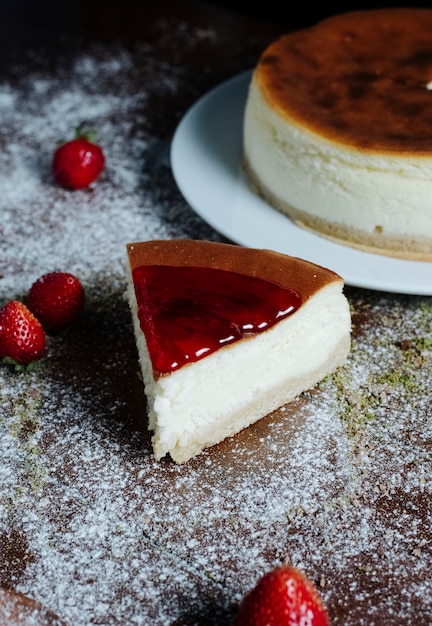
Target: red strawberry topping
(56, 299)
(282, 597)
(22, 338)
(78, 162)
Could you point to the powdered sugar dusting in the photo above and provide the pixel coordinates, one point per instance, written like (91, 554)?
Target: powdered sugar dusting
(92, 526)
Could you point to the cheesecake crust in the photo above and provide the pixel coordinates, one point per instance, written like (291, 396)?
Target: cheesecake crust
(417, 248)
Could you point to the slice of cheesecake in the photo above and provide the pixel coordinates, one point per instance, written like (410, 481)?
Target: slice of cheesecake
(227, 334)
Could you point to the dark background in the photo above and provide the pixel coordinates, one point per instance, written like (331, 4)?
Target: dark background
(289, 15)
(30, 23)
(299, 14)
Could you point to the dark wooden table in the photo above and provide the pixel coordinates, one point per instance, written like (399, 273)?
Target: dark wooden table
(91, 526)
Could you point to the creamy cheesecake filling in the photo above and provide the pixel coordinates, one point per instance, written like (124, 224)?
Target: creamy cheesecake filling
(203, 403)
(375, 201)
(193, 406)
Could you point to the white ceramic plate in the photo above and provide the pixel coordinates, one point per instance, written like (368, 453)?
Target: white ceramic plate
(206, 163)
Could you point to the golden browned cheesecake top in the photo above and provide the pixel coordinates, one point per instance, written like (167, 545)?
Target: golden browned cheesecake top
(362, 78)
(304, 277)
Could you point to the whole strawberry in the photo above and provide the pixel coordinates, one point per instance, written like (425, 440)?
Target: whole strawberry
(78, 162)
(282, 597)
(57, 300)
(22, 338)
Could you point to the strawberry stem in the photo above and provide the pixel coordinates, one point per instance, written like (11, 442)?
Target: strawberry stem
(19, 367)
(81, 132)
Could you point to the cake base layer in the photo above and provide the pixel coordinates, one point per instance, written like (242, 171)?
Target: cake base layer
(228, 426)
(376, 241)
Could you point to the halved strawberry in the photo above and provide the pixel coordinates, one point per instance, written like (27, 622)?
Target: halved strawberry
(56, 299)
(282, 597)
(22, 338)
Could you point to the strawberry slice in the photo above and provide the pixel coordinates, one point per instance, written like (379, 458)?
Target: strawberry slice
(282, 597)
(22, 338)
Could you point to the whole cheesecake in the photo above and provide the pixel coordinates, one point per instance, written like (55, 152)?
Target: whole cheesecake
(338, 127)
(227, 334)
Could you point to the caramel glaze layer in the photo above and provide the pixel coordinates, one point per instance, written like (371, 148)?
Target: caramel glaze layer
(303, 276)
(362, 78)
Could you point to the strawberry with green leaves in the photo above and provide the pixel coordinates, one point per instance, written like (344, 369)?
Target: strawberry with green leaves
(78, 162)
(22, 337)
(282, 597)
(57, 299)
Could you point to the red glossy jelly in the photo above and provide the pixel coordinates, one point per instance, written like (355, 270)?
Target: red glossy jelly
(187, 313)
